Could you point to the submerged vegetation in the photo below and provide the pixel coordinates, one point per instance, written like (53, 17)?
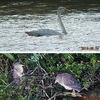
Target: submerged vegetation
(41, 69)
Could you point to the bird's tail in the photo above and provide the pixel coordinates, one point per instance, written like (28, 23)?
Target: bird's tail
(29, 33)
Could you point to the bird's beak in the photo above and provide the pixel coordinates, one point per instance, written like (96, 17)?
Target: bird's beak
(66, 10)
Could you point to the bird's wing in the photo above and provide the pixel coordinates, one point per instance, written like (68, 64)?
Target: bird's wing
(69, 80)
(15, 74)
(43, 32)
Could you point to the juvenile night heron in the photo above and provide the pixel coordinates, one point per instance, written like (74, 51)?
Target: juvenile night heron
(68, 82)
(17, 72)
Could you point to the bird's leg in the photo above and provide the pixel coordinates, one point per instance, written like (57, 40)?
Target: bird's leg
(74, 93)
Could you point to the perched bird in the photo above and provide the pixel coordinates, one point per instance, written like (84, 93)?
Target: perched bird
(68, 82)
(17, 72)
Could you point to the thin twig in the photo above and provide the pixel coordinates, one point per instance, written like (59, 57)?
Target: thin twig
(9, 84)
(44, 89)
(64, 94)
(53, 96)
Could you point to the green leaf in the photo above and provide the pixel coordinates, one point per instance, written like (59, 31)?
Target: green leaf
(10, 56)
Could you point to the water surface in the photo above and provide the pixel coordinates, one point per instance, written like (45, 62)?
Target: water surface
(82, 24)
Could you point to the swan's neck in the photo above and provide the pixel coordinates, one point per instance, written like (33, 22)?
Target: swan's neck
(61, 24)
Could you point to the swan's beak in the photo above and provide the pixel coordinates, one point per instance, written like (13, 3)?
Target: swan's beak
(66, 10)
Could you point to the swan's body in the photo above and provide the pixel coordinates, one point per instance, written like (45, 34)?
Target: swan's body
(48, 32)
(43, 32)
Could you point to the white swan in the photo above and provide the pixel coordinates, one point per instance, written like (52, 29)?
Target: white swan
(48, 32)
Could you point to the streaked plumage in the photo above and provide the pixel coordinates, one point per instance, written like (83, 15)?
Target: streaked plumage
(68, 82)
(16, 73)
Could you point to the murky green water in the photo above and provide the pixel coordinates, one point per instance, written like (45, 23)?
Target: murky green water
(82, 24)
(40, 7)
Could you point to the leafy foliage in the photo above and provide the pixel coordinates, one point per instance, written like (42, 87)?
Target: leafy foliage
(85, 67)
